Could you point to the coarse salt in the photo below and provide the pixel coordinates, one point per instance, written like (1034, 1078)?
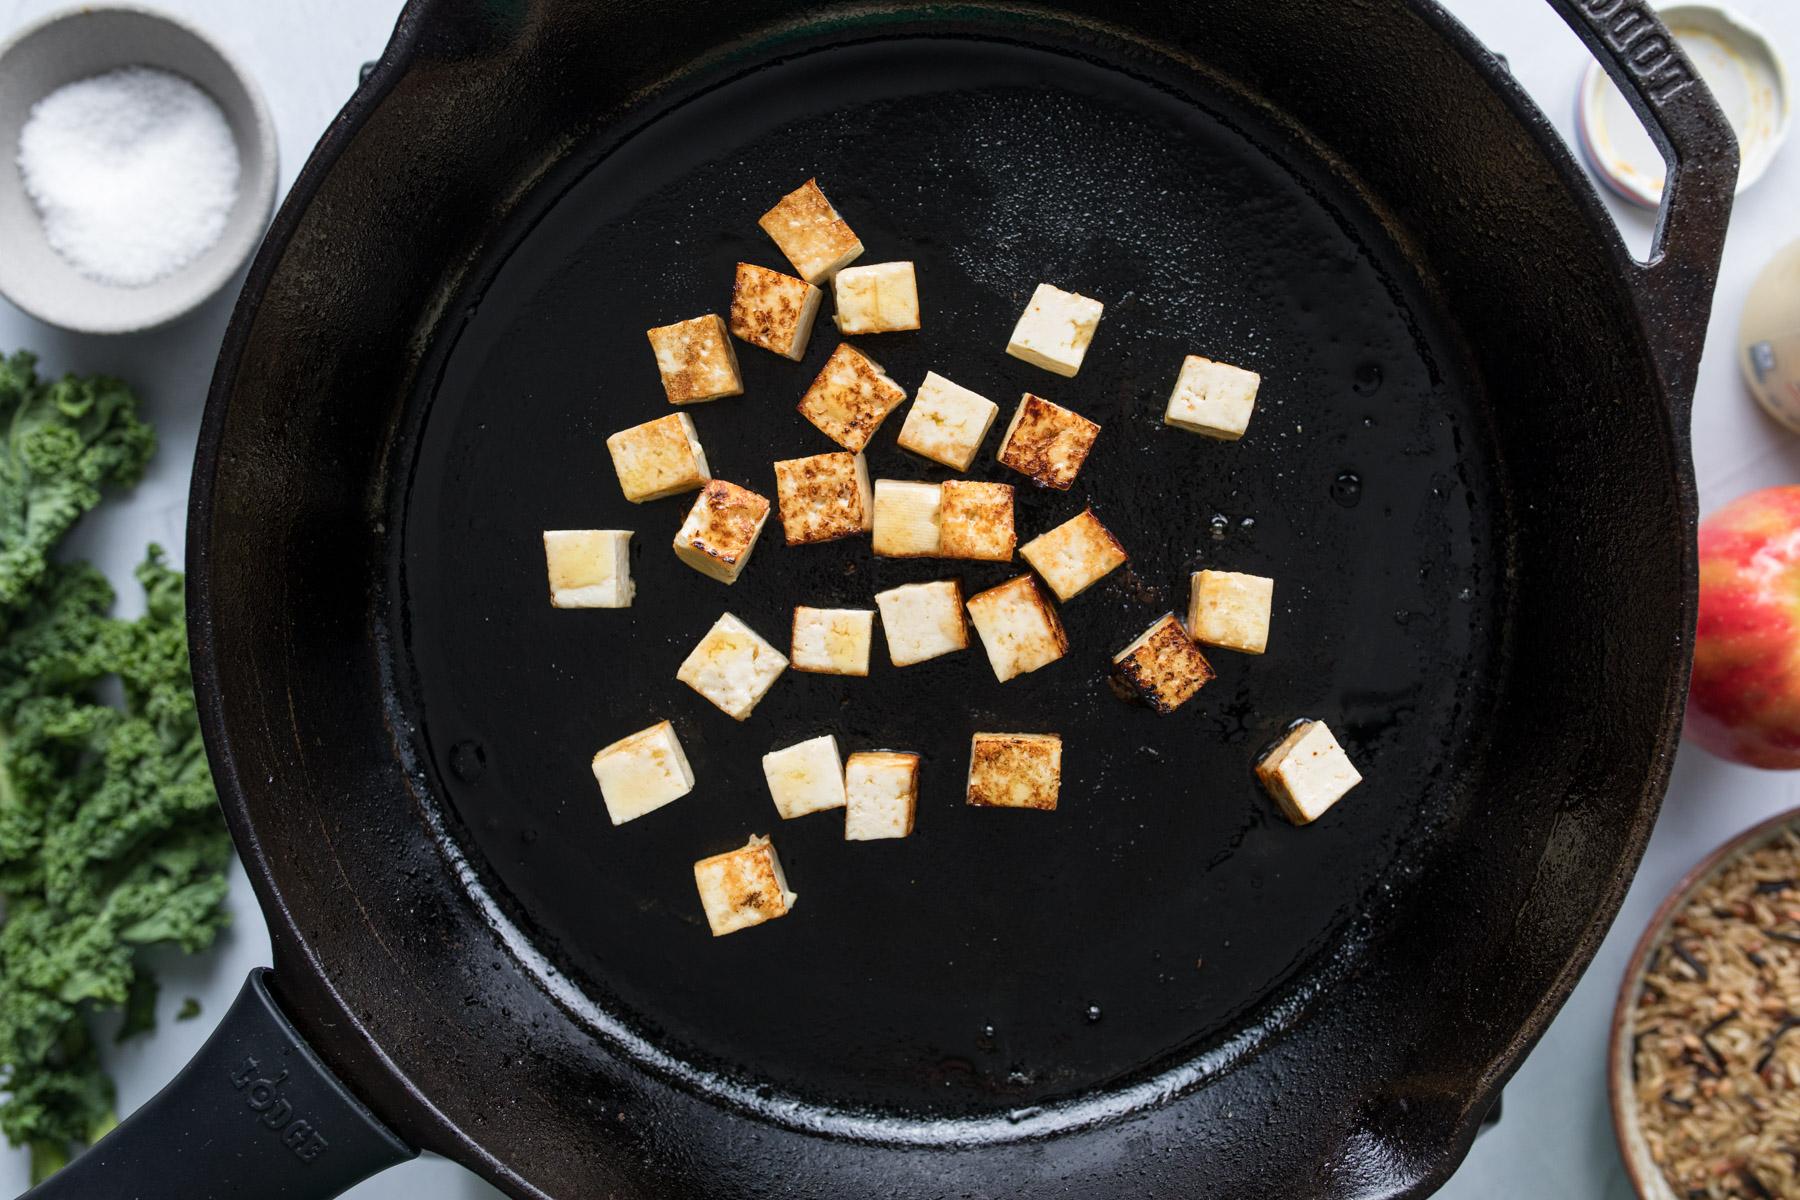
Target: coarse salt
(133, 173)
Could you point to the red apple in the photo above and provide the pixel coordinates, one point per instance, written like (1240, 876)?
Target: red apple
(1744, 703)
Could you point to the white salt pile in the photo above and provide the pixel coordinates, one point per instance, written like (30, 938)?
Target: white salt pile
(133, 173)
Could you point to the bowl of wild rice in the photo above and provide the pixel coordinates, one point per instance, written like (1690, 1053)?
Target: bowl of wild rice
(1705, 1058)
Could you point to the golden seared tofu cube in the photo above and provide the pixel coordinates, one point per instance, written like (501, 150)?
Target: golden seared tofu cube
(923, 621)
(773, 310)
(659, 458)
(977, 521)
(1307, 772)
(743, 887)
(733, 667)
(878, 298)
(882, 795)
(643, 772)
(832, 641)
(1019, 627)
(1055, 330)
(696, 361)
(850, 398)
(1015, 770)
(1212, 398)
(811, 233)
(1075, 555)
(1163, 666)
(824, 497)
(807, 777)
(589, 568)
(1229, 609)
(906, 518)
(947, 423)
(1047, 442)
(721, 530)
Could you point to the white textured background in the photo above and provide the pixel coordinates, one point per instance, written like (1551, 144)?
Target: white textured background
(1555, 1139)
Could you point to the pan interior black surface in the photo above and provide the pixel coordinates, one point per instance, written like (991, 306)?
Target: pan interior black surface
(995, 959)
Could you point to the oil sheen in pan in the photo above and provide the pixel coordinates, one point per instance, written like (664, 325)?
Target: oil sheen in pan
(994, 961)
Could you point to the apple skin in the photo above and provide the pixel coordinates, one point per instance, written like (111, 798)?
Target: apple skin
(1744, 702)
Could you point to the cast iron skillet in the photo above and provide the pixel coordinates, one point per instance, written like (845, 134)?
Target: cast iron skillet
(1469, 475)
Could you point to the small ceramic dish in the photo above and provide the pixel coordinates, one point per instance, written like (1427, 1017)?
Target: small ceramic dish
(84, 42)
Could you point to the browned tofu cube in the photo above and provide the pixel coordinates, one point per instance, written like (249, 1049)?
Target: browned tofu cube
(696, 361)
(851, 398)
(811, 233)
(1163, 666)
(659, 458)
(1015, 770)
(1019, 627)
(743, 887)
(823, 498)
(773, 310)
(1047, 442)
(721, 530)
(1075, 555)
(976, 521)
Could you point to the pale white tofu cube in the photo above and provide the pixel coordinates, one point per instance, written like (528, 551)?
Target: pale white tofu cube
(908, 518)
(807, 777)
(773, 310)
(923, 621)
(733, 667)
(976, 521)
(1075, 555)
(1047, 442)
(878, 298)
(1307, 772)
(659, 458)
(721, 530)
(882, 789)
(743, 887)
(824, 497)
(1019, 627)
(832, 641)
(1163, 666)
(643, 772)
(1055, 329)
(810, 232)
(850, 398)
(1015, 770)
(589, 568)
(1212, 398)
(696, 361)
(1229, 609)
(947, 423)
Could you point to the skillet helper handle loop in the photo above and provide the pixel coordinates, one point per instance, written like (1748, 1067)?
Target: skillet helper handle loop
(256, 1113)
(1701, 150)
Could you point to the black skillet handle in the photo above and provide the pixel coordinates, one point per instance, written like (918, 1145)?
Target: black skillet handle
(1701, 150)
(254, 1114)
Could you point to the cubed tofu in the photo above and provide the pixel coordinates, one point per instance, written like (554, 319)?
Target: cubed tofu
(1018, 626)
(807, 777)
(1231, 610)
(882, 789)
(850, 398)
(743, 887)
(923, 621)
(721, 530)
(1075, 555)
(1015, 770)
(824, 497)
(1307, 772)
(977, 521)
(773, 310)
(878, 298)
(1212, 398)
(832, 641)
(907, 518)
(696, 360)
(1163, 666)
(659, 458)
(947, 423)
(643, 772)
(811, 233)
(733, 667)
(1055, 329)
(1047, 442)
(589, 568)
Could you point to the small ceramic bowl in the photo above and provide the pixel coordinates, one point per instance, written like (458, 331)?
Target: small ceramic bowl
(89, 41)
(1647, 1178)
